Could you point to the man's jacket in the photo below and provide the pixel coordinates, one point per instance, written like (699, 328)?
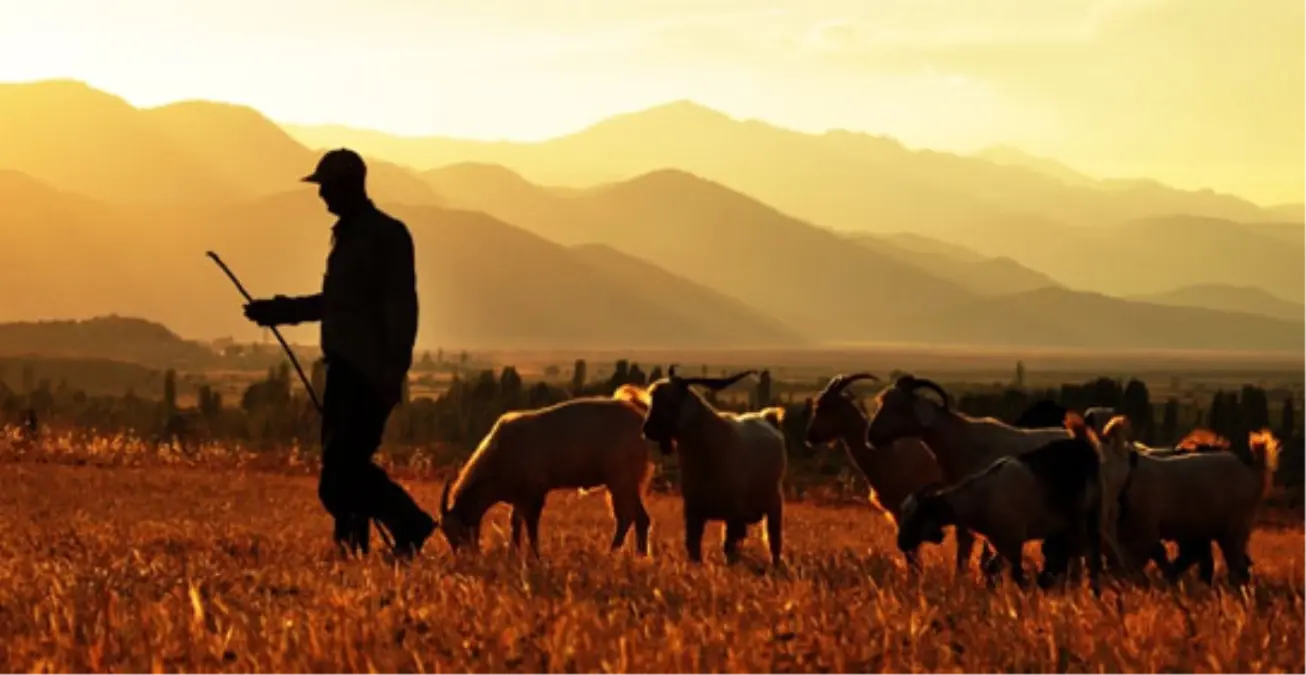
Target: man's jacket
(368, 303)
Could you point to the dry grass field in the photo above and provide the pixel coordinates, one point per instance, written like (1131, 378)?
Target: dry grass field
(121, 568)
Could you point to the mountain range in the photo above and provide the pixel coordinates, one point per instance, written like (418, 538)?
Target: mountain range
(840, 179)
(110, 207)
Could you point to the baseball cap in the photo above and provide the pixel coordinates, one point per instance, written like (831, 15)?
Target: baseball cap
(337, 164)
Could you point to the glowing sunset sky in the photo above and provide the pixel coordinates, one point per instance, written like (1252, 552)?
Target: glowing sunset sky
(1192, 92)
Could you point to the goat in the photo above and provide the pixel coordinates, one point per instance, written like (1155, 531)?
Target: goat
(1050, 491)
(1047, 413)
(962, 444)
(732, 466)
(582, 443)
(893, 473)
(1194, 498)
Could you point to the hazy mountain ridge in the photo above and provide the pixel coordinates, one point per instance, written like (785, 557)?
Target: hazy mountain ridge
(125, 339)
(1010, 156)
(986, 276)
(1147, 256)
(692, 226)
(188, 152)
(746, 273)
(1243, 299)
(842, 179)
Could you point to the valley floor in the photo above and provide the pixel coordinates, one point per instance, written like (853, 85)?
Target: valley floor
(105, 568)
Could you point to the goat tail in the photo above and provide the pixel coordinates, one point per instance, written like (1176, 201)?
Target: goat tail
(1265, 455)
(633, 395)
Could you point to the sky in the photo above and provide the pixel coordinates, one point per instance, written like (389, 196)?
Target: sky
(1197, 93)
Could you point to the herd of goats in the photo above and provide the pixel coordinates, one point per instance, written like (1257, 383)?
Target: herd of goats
(1078, 483)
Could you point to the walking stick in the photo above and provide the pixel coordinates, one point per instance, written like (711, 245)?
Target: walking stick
(293, 361)
(385, 535)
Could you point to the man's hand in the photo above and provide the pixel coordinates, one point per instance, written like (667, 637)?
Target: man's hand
(270, 312)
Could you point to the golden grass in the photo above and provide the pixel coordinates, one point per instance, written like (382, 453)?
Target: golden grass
(113, 568)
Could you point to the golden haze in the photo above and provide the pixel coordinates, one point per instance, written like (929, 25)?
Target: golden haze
(933, 246)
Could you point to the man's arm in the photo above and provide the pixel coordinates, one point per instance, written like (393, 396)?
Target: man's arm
(281, 310)
(300, 309)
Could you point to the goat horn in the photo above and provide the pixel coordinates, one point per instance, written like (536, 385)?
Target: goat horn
(922, 383)
(841, 382)
(718, 383)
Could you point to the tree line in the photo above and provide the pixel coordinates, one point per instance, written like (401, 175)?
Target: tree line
(272, 411)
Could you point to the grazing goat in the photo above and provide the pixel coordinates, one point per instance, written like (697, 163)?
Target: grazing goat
(582, 443)
(1050, 491)
(732, 466)
(893, 473)
(1194, 498)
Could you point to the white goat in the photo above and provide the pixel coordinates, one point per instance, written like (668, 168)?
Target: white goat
(732, 466)
(582, 443)
(1051, 493)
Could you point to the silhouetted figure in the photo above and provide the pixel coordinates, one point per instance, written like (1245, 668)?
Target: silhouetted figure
(368, 311)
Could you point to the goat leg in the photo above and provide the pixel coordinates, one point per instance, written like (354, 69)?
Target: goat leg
(1234, 548)
(736, 531)
(642, 524)
(965, 544)
(1191, 551)
(517, 523)
(530, 514)
(1015, 557)
(775, 530)
(694, 525)
(623, 515)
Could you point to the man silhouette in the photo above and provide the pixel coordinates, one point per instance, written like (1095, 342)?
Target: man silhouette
(368, 314)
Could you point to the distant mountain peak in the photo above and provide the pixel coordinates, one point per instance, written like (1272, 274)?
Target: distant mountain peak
(65, 92)
(680, 115)
(480, 171)
(683, 107)
(672, 181)
(205, 106)
(1009, 155)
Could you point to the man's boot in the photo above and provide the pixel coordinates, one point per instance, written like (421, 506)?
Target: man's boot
(414, 533)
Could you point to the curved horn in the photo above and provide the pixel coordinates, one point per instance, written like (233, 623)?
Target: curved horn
(841, 382)
(718, 383)
(444, 499)
(922, 383)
